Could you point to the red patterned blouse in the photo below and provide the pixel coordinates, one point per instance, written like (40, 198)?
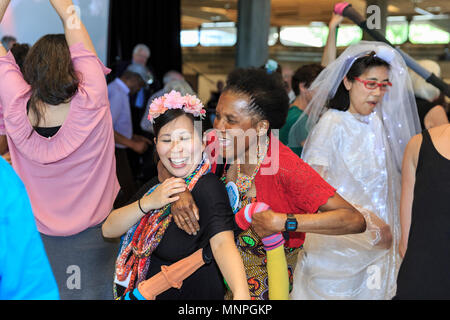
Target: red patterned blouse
(289, 185)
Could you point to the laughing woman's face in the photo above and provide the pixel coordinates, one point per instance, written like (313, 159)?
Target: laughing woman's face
(180, 147)
(235, 126)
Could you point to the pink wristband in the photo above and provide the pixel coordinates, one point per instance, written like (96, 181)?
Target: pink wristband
(272, 242)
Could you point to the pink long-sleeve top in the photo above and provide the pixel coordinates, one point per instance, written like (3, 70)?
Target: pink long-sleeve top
(70, 177)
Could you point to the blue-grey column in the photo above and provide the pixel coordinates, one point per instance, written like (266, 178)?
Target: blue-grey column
(253, 33)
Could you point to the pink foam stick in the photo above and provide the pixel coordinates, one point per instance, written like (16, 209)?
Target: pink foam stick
(339, 7)
(244, 216)
(244, 219)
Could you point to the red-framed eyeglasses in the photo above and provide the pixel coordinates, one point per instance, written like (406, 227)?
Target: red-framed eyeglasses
(372, 84)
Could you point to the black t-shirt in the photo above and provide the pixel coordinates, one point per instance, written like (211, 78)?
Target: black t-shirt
(47, 132)
(215, 216)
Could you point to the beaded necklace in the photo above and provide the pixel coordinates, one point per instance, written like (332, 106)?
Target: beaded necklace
(244, 182)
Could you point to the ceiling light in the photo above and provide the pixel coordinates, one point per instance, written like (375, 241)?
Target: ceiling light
(392, 8)
(422, 11)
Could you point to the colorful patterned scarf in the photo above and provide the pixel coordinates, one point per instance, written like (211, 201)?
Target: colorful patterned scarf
(144, 237)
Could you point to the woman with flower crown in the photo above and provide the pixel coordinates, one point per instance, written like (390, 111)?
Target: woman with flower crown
(360, 119)
(151, 241)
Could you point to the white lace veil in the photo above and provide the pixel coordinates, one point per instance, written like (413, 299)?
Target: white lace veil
(398, 108)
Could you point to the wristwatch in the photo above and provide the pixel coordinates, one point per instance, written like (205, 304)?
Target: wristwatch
(291, 223)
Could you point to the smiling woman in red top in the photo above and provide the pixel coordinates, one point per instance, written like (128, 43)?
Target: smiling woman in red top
(260, 168)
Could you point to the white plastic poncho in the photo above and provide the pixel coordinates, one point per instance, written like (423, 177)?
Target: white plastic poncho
(361, 157)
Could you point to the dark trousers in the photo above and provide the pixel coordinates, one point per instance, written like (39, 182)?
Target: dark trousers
(125, 177)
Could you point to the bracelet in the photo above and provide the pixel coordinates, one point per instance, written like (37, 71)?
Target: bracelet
(139, 204)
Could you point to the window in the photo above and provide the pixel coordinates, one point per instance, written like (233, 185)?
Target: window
(397, 30)
(348, 35)
(304, 36)
(218, 34)
(425, 32)
(316, 34)
(189, 38)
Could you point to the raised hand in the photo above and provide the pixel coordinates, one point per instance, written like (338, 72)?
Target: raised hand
(335, 20)
(74, 29)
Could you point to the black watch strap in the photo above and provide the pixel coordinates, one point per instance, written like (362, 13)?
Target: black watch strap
(291, 223)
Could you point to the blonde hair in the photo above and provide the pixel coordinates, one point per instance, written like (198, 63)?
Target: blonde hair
(423, 89)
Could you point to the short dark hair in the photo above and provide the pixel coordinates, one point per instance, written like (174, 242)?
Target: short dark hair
(20, 52)
(305, 74)
(129, 75)
(267, 93)
(341, 100)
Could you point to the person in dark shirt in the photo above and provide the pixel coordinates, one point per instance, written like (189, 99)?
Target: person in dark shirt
(425, 217)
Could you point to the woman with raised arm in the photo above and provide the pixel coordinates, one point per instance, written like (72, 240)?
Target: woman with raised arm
(61, 142)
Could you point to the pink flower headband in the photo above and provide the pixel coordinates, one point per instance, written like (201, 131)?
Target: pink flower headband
(174, 100)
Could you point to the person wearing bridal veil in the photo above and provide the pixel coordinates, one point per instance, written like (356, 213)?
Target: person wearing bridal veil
(361, 117)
